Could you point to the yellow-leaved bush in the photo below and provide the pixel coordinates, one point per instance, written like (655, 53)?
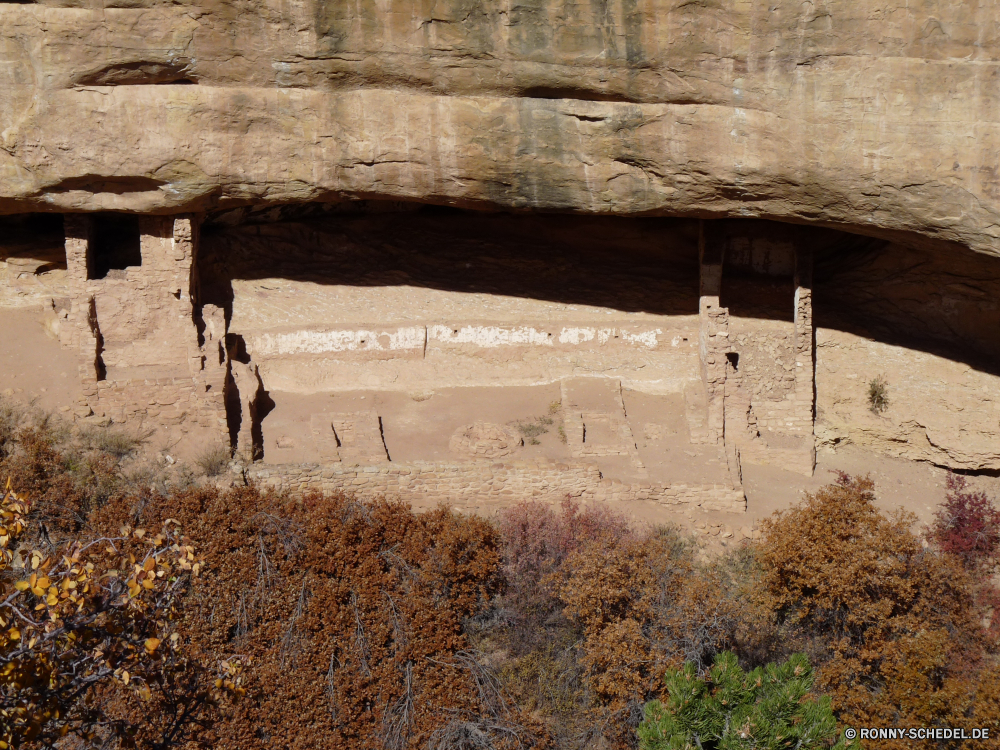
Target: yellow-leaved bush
(90, 616)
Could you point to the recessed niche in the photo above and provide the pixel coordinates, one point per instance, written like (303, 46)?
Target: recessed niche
(114, 244)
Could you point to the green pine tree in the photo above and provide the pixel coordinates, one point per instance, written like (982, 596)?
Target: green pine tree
(769, 708)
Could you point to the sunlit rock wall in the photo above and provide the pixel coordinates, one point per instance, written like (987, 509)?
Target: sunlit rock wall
(882, 117)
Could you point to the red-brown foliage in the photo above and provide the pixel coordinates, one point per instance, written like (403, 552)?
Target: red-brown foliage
(887, 622)
(644, 607)
(536, 543)
(365, 625)
(967, 525)
(351, 614)
(620, 604)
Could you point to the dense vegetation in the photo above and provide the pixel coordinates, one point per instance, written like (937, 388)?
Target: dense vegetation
(147, 609)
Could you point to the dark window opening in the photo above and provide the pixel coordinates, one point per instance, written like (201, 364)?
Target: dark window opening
(114, 244)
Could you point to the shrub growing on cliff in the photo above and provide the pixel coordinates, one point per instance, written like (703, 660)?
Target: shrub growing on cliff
(115, 441)
(214, 460)
(768, 707)
(878, 394)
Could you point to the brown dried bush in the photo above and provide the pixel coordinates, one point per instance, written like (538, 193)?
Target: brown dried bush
(365, 625)
(645, 606)
(595, 612)
(350, 615)
(888, 623)
(527, 633)
(214, 460)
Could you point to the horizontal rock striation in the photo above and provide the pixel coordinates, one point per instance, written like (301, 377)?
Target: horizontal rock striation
(884, 119)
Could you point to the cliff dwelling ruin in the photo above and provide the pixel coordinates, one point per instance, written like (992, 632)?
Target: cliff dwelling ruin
(474, 358)
(645, 253)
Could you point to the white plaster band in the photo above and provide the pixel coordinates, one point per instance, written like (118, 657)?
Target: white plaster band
(417, 337)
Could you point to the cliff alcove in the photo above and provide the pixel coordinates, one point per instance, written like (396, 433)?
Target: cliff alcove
(330, 341)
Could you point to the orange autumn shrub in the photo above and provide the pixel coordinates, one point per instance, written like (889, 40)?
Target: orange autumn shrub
(888, 622)
(88, 635)
(350, 617)
(644, 607)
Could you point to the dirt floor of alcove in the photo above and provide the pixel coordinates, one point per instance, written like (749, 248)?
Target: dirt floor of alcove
(34, 368)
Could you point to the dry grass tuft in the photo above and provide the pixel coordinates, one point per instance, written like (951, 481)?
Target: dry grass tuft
(214, 460)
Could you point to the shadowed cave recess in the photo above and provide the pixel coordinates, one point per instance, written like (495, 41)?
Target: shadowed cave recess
(464, 355)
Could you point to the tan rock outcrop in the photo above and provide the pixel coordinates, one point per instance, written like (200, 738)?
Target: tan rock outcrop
(883, 118)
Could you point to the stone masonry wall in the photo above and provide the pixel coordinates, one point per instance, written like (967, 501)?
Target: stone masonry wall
(713, 337)
(140, 354)
(467, 484)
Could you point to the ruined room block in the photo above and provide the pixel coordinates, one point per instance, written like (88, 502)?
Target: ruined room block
(805, 359)
(713, 337)
(132, 318)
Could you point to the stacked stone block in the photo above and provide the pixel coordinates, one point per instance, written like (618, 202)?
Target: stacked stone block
(471, 484)
(140, 355)
(713, 337)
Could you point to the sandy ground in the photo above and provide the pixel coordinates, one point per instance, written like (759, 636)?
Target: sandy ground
(34, 367)
(418, 427)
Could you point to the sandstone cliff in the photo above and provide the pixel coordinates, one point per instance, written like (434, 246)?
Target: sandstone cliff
(883, 118)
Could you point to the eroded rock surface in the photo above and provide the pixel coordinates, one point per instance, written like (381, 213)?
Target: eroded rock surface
(878, 117)
(223, 209)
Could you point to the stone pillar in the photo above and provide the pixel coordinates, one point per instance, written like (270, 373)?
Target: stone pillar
(81, 331)
(713, 336)
(805, 358)
(79, 263)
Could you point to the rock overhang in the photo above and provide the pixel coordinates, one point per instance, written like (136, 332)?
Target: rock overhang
(884, 124)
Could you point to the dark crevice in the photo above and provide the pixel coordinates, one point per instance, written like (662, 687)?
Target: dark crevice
(100, 371)
(263, 405)
(199, 324)
(139, 73)
(381, 432)
(971, 472)
(573, 92)
(91, 183)
(231, 398)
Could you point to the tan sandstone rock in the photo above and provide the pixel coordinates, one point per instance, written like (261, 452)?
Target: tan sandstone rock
(879, 117)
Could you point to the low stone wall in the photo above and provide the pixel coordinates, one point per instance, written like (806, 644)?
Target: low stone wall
(167, 401)
(468, 484)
